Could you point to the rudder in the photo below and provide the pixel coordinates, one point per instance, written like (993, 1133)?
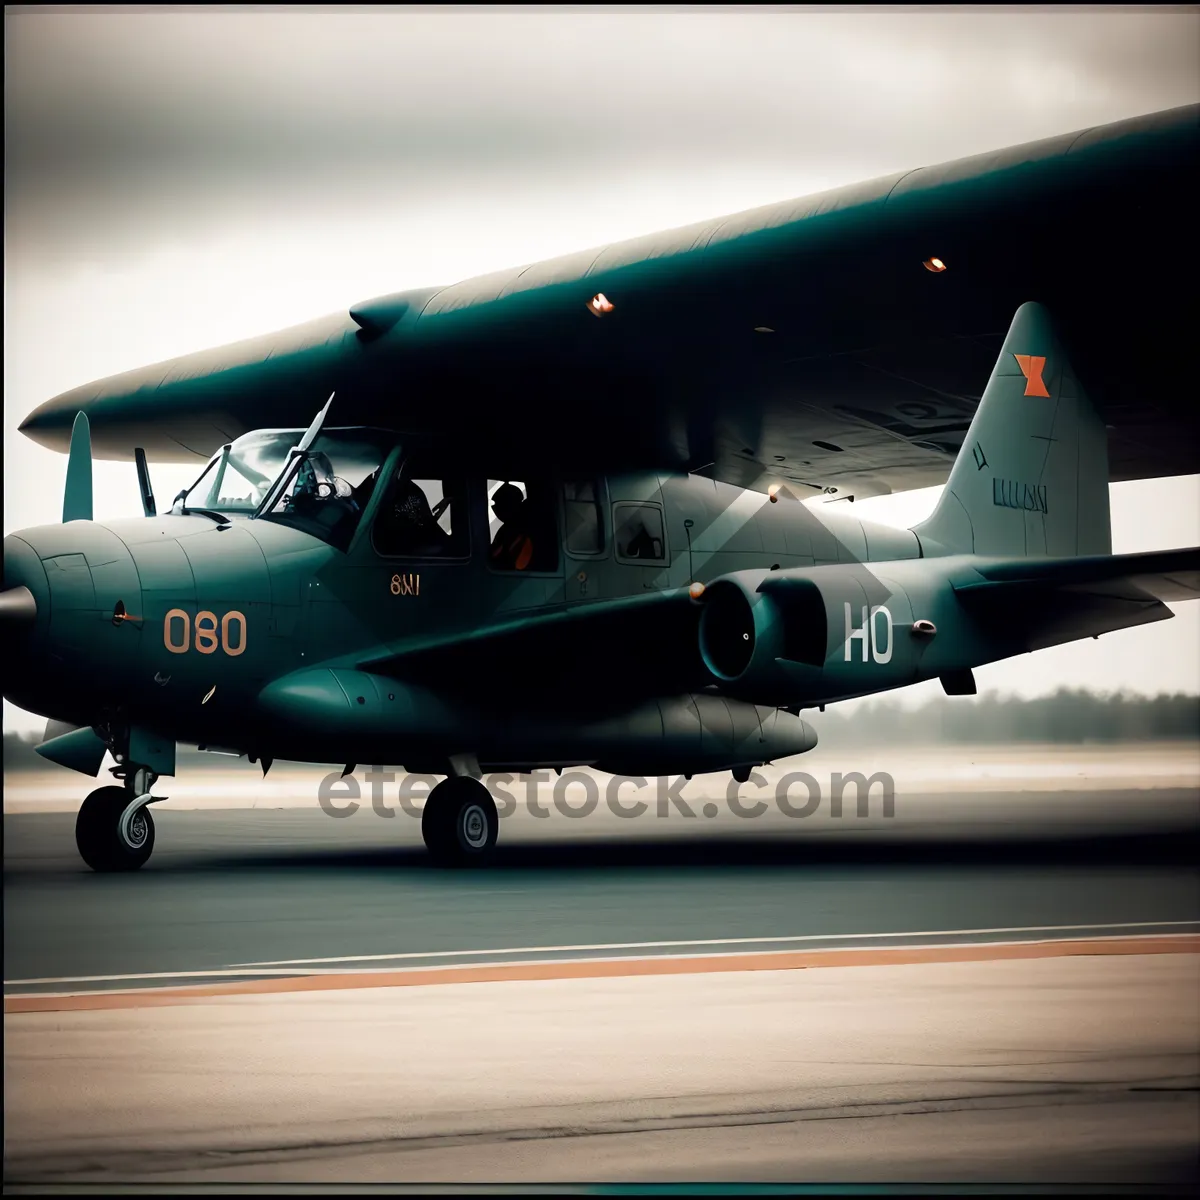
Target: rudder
(1031, 478)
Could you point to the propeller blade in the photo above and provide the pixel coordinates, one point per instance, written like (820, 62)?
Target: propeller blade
(143, 470)
(77, 496)
(310, 435)
(314, 429)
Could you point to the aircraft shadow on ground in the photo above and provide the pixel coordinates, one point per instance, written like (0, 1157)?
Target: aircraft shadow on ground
(194, 843)
(1178, 849)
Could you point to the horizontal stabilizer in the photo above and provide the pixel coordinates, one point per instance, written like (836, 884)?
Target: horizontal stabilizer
(1158, 574)
(1030, 604)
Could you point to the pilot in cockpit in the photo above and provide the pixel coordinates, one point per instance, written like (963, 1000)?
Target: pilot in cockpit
(323, 497)
(316, 482)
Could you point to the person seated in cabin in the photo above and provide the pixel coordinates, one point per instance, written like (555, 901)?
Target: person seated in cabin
(407, 524)
(512, 547)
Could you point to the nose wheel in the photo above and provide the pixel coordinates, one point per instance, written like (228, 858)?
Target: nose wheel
(460, 822)
(110, 836)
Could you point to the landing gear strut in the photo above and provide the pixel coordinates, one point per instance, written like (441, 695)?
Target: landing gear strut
(114, 830)
(460, 822)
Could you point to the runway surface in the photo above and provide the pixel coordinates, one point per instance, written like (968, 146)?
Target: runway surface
(998, 988)
(1070, 1069)
(230, 888)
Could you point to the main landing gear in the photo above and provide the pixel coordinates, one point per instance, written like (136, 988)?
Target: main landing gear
(114, 830)
(460, 822)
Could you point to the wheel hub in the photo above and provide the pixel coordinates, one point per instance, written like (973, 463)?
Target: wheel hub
(135, 832)
(475, 826)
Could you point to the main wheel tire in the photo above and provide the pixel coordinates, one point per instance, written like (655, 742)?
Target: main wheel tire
(460, 823)
(98, 832)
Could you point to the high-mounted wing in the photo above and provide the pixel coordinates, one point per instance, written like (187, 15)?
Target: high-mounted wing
(837, 341)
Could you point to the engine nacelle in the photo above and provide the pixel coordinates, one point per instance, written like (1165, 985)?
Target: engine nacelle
(745, 631)
(816, 634)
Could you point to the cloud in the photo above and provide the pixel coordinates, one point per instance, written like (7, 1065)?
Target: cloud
(124, 127)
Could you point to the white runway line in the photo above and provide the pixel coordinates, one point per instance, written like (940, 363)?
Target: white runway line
(324, 966)
(793, 939)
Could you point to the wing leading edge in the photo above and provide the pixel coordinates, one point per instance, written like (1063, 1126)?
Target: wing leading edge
(866, 381)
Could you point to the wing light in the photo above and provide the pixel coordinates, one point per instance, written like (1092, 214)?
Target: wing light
(763, 329)
(934, 264)
(696, 590)
(599, 305)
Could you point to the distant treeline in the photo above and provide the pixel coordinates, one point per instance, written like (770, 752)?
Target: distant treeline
(1067, 716)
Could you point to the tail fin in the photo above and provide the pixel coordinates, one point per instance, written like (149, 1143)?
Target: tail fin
(1031, 478)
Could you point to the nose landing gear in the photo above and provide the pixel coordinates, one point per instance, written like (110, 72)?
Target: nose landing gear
(114, 830)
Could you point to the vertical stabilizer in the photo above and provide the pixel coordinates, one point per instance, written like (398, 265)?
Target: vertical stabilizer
(77, 495)
(1032, 476)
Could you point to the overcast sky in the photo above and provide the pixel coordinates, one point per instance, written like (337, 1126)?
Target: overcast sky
(178, 179)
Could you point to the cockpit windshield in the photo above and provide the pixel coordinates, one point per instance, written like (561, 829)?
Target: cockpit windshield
(339, 466)
(325, 489)
(237, 477)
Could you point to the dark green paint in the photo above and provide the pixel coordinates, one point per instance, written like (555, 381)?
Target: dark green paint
(871, 353)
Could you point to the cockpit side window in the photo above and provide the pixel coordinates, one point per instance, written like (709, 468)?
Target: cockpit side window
(638, 532)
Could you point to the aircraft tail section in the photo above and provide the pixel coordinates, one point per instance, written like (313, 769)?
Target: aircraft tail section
(1030, 603)
(1031, 479)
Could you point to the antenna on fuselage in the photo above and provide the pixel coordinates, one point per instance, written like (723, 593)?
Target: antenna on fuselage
(143, 471)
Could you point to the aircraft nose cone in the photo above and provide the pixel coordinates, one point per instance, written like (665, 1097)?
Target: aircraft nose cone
(17, 607)
(24, 600)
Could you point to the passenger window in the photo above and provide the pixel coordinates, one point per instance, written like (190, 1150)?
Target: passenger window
(524, 534)
(422, 518)
(585, 533)
(638, 532)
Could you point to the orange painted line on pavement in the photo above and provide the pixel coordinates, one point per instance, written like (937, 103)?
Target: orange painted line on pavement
(790, 960)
